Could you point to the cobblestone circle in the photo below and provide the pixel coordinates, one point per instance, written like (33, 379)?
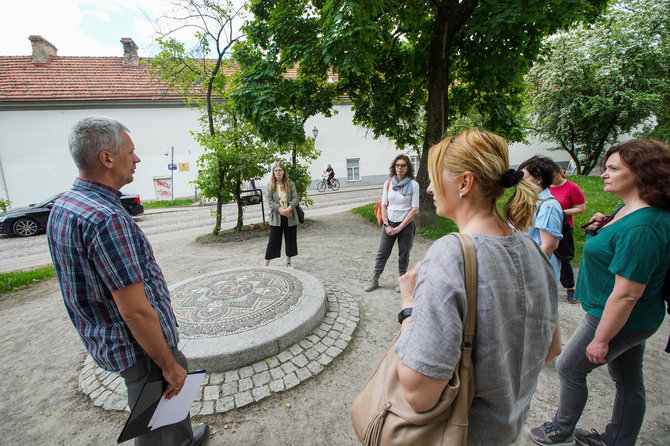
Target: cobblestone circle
(225, 391)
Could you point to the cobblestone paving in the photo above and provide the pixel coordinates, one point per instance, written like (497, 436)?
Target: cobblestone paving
(221, 392)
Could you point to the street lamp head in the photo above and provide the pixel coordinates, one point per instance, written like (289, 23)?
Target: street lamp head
(315, 133)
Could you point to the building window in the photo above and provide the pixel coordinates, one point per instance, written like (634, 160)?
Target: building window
(415, 163)
(352, 170)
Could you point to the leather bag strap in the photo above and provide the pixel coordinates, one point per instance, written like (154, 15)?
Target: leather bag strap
(470, 259)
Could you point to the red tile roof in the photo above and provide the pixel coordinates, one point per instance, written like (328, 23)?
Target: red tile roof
(65, 78)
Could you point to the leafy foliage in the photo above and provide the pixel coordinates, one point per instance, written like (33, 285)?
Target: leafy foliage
(601, 81)
(233, 153)
(409, 68)
(4, 205)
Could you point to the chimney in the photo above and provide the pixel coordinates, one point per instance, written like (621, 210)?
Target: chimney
(42, 49)
(130, 56)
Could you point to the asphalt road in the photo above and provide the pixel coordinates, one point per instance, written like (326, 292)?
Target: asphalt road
(18, 253)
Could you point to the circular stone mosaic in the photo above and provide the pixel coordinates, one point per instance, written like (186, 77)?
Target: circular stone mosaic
(231, 302)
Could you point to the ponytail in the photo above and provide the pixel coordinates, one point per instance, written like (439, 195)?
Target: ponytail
(520, 208)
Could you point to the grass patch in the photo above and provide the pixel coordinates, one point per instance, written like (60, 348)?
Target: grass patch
(167, 203)
(442, 227)
(21, 279)
(597, 200)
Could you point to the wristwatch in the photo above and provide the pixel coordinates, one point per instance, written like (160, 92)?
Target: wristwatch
(405, 313)
(385, 224)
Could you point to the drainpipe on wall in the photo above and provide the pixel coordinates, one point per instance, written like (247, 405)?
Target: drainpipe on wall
(3, 186)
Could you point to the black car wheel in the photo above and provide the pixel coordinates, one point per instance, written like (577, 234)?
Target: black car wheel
(25, 227)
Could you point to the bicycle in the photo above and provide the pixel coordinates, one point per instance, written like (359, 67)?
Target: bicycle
(334, 184)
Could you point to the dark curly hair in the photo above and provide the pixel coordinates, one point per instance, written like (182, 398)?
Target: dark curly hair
(650, 162)
(541, 168)
(410, 167)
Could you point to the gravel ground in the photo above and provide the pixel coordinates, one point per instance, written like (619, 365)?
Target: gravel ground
(42, 354)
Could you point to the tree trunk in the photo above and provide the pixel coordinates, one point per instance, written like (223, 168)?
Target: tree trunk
(217, 224)
(437, 110)
(219, 201)
(451, 16)
(240, 208)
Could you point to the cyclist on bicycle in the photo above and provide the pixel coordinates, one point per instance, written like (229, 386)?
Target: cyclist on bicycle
(331, 174)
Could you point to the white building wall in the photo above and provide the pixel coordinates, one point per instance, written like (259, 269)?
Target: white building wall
(340, 140)
(35, 162)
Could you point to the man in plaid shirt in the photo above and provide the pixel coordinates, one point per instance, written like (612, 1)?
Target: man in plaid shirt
(113, 289)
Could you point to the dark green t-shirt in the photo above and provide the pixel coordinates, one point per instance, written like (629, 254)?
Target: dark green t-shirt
(636, 247)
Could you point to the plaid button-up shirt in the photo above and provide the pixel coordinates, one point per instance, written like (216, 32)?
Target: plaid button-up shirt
(96, 249)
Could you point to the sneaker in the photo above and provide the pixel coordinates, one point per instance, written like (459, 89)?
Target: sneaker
(373, 284)
(549, 434)
(571, 296)
(288, 265)
(586, 438)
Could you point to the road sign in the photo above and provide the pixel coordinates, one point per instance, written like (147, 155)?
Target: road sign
(172, 167)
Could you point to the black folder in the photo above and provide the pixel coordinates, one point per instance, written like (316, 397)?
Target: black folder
(145, 406)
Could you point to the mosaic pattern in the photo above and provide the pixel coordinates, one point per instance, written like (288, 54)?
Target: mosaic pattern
(234, 301)
(222, 392)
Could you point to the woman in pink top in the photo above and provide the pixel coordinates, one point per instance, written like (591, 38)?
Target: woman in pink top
(572, 201)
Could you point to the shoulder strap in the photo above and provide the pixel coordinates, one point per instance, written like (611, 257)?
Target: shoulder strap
(470, 258)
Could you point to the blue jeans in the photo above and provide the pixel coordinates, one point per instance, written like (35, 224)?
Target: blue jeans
(405, 241)
(624, 363)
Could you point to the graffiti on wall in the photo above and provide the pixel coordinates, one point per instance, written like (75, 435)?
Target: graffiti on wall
(163, 188)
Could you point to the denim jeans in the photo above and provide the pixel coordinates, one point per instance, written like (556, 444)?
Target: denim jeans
(405, 241)
(624, 363)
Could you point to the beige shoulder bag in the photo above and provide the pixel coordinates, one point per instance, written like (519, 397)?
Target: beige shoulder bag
(381, 416)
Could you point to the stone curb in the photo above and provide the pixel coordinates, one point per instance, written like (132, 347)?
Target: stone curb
(225, 391)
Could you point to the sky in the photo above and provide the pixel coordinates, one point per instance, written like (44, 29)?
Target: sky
(83, 27)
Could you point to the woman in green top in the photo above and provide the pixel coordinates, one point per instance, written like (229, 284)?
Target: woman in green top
(619, 285)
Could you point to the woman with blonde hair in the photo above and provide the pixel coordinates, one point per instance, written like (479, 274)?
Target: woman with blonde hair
(282, 200)
(516, 291)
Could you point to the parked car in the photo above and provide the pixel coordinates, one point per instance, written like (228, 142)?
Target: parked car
(32, 220)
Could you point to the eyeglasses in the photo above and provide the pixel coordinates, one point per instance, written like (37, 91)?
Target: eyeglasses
(588, 229)
(401, 165)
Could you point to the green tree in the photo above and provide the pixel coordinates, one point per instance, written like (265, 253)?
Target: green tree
(409, 67)
(278, 104)
(233, 154)
(601, 81)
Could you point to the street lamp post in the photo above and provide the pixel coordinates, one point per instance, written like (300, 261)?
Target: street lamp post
(315, 133)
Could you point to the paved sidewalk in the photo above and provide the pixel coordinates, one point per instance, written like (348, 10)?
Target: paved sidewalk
(43, 403)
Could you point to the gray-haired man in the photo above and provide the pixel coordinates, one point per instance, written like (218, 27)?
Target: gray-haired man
(113, 289)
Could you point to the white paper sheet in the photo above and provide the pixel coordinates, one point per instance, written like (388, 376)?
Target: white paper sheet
(176, 408)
